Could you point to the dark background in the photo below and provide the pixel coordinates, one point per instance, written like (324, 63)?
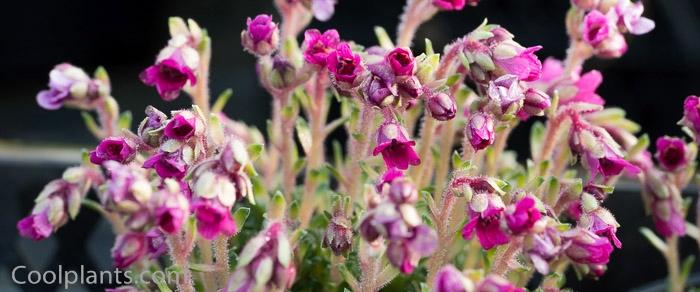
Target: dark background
(650, 82)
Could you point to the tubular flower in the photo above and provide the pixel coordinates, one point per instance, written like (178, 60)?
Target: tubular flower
(486, 212)
(70, 85)
(175, 66)
(344, 66)
(587, 248)
(395, 147)
(522, 216)
(317, 46)
(261, 36)
(599, 152)
(671, 153)
(665, 203)
(118, 149)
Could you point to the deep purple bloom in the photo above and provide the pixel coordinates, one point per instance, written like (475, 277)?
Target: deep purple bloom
(671, 153)
(395, 147)
(118, 149)
(35, 226)
(157, 243)
(523, 216)
(213, 219)
(401, 61)
(128, 249)
(596, 28)
(182, 126)
(441, 106)
(587, 247)
(317, 46)
(343, 64)
(171, 207)
(261, 36)
(171, 72)
(378, 92)
(480, 130)
(167, 165)
(64, 80)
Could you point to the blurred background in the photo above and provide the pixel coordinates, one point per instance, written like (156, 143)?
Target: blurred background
(650, 82)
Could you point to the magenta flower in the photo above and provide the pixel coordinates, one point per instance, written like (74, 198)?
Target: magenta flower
(480, 130)
(449, 279)
(35, 226)
(441, 106)
(66, 82)
(505, 92)
(523, 216)
(343, 64)
(587, 248)
(402, 191)
(317, 46)
(150, 129)
(487, 224)
(450, 5)
(496, 283)
(118, 149)
(167, 165)
(213, 219)
(671, 153)
(171, 207)
(596, 28)
(599, 152)
(613, 47)
(406, 252)
(182, 126)
(691, 113)
(395, 147)
(156, 242)
(534, 104)
(378, 93)
(261, 36)
(524, 64)
(171, 72)
(631, 19)
(388, 177)
(586, 86)
(603, 224)
(128, 249)
(543, 247)
(401, 61)
(667, 216)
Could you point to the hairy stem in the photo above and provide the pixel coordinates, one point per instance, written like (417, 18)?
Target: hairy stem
(179, 253)
(416, 12)
(445, 234)
(287, 144)
(317, 115)
(503, 259)
(207, 258)
(201, 91)
(675, 283)
(221, 255)
(359, 148)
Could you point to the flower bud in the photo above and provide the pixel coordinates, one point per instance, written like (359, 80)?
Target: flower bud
(535, 103)
(377, 92)
(506, 94)
(261, 36)
(401, 61)
(480, 130)
(691, 114)
(449, 279)
(595, 28)
(671, 153)
(344, 66)
(441, 106)
(317, 46)
(67, 83)
(118, 149)
(128, 249)
(453, 5)
(338, 236)
(151, 128)
(613, 47)
(402, 191)
(409, 86)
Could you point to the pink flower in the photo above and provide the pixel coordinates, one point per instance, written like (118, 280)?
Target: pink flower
(587, 248)
(173, 69)
(401, 61)
(495, 283)
(35, 226)
(599, 152)
(543, 247)
(534, 104)
(181, 127)
(67, 83)
(449, 279)
(596, 28)
(480, 130)
(441, 106)
(261, 36)
(128, 249)
(671, 153)
(487, 224)
(388, 177)
(343, 64)
(691, 113)
(667, 216)
(213, 219)
(586, 86)
(378, 93)
(118, 149)
(524, 64)
(405, 253)
(603, 224)
(167, 165)
(402, 191)
(450, 5)
(505, 92)
(631, 19)
(552, 69)
(317, 46)
(523, 216)
(171, 207)
(157, 245)
(613, 47)
(323, 9)
(395, 147)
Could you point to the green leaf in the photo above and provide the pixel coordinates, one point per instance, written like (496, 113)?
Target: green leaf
(536, 137)
(429, 47)
(686, 267)
(299, 165)
(337, 153)
(657, 242)
(383, 37)
(641, 145)
(222, 100)
(91, 124)
(124, 121)
(240, 216)
(161, 283)
(254, 151)
(304, 135)
(101, 74)
(452, 79)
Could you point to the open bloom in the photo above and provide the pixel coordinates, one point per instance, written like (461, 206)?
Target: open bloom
(506, 94)
(213, 219)
(395, 147)
(128, 249)
(671, 153)
(494, 282)
(523, 64)
(344, 65)
(596, 28)
(404, 253)
(118, 149)
(175, 66)
(480, 130)
(167, 165)
(587, 248)
(171, 207)
(265, 261)
(449, 279)
(599, 152)
(182, 126)
(401, 61)
(631, 19)
(317, 46)
(521, 217)
(69, 83)
(261, 36)
(486, 212)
